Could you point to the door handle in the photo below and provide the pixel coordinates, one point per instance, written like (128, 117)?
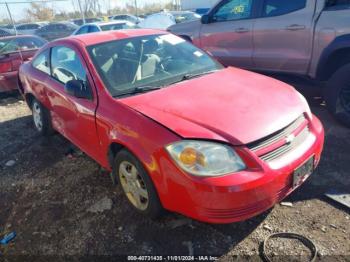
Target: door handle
(242, 30)
(295, 27)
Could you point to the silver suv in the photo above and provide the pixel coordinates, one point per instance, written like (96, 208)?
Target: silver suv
(302, 37)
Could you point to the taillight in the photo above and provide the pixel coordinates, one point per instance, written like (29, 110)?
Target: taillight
(5, 67)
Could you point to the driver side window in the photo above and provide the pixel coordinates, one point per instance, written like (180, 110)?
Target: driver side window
(233, 10)
(66, 65)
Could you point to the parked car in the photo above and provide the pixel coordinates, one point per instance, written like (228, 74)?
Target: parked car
(177, 130)
(161, 20)
(302, 37)
(29, 29)
(56, 30)
(4, 32)
(15, 50)
(104, 26)
(184, 16)
(8, 28)
(130, 18)
(80, 22)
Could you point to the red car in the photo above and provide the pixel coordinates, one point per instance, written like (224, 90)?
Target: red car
(14, 50)
(177, 129)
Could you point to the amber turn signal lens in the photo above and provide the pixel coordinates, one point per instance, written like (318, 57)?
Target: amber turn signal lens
(188, 156)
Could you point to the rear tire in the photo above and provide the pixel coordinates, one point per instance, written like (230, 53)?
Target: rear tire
(337, 94)
(41, 118)
(136, 185)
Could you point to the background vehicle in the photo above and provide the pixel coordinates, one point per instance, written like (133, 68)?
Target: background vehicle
(29, 29)
(243, 131)
(9, 28)
(104, 26)
(4, 33)
(184, 16)
(130, 18)
(160, 20)
(309, 38)
(80, 22)
(15, 50)
(56, 30)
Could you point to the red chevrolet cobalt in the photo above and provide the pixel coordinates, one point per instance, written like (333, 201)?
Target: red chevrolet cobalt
(177, 130)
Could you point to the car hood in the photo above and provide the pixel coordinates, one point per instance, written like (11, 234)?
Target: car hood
(231, 105)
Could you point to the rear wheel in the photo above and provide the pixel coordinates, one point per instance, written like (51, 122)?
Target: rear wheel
(136, 184)
(337, 94)
(41, 118)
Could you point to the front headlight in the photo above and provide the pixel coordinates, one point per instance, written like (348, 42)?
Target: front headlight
(206, 159)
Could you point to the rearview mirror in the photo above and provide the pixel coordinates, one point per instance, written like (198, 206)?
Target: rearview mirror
(205, 19)
(78, 89)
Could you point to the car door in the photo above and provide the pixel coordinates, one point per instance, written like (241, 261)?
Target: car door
(283, 36)
(71, 116)
(228, 35)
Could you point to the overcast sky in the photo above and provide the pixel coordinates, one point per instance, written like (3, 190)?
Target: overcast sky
(19, 10)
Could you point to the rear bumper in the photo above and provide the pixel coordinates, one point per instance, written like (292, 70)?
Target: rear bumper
(8, 81)
(240, 196)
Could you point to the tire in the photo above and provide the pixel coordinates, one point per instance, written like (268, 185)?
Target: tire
(41, 118)
(142, 195)
(337, 95)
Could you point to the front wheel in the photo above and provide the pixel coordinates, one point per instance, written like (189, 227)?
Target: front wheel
(136, 184)
(337, 94)
(41, 118)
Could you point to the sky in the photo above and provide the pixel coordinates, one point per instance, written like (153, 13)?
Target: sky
(18, 11)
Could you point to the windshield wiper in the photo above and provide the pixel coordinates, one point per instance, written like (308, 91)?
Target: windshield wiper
(139, 89)
(190, 76)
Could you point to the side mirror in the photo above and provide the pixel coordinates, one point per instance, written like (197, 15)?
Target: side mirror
(78, 89)
(205, 19)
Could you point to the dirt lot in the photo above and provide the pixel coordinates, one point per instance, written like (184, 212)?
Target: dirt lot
(52, 200)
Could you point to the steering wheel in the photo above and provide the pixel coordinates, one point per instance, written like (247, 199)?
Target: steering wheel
(163, 64)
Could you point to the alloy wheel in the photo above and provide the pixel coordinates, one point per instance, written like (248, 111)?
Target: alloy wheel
(133, 185)
(37, 116)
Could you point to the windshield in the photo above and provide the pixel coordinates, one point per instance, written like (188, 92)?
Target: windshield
(152, 61)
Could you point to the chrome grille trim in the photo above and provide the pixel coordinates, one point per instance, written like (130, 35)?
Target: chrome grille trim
(285, 132)
(299, 139)
(265, 142)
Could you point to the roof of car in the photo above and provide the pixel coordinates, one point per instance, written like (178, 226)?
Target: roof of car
(106, 36)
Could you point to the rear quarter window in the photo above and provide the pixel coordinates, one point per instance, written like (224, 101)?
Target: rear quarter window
(41, 62)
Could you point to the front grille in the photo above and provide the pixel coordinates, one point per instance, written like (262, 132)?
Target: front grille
(279, 136)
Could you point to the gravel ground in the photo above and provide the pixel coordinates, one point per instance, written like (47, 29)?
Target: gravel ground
(61, 204)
